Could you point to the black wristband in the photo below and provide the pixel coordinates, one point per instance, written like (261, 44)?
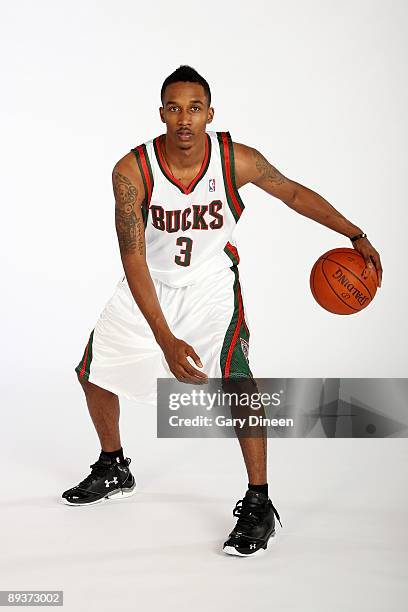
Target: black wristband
(358, 236)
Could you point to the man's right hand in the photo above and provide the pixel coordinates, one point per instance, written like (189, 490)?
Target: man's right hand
(129, 191)
(176, 352)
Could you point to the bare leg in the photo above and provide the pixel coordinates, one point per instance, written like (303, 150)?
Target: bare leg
(254, 453)
(253, 447)
(104, 409)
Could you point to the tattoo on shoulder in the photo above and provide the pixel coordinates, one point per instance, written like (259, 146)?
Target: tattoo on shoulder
(128, 220)
(266, 170)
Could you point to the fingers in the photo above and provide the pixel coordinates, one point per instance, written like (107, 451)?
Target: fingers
(368, 262)
(193, 372)
(191, 353)
(179, 365)
(190, 373)
(372, 261)
(191, 379)
(378, 267)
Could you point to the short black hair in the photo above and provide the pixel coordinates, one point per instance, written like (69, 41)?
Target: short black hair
(186, 74)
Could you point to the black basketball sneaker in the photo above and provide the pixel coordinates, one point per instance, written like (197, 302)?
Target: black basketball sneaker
(109, 479)
(255, 525)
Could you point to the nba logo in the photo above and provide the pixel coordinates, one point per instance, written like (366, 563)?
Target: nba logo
(211, 185)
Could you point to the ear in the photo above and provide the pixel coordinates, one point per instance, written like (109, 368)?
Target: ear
(161, 111)
(210, 115)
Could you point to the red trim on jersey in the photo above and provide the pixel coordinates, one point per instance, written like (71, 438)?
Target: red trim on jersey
(231, 189)
(172, 178)
(146, 173)
(233, 250)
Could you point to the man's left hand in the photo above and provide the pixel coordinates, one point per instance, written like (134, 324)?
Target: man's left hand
(371, 257)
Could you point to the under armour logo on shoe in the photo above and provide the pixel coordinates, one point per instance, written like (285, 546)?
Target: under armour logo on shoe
(252, 546)
(108, 482)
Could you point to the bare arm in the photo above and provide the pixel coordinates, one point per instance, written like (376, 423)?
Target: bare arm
(129, 194)
(252, 167)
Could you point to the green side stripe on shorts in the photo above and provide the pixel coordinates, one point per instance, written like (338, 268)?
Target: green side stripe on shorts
(84, 366)
(233, 361)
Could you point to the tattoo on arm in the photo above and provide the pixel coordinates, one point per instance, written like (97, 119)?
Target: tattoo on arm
(129, 223)
(266, 170)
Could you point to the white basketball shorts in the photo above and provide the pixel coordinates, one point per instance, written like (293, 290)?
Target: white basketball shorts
(122, 354)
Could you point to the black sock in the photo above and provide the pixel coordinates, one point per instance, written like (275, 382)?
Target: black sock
(263, 488)
(116, 455)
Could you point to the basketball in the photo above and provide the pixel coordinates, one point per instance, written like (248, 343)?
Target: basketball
(341, 283)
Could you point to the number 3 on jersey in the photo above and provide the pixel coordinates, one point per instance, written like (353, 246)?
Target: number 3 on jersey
(188, 244)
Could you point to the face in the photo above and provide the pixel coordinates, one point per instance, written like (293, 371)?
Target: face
(185, 112)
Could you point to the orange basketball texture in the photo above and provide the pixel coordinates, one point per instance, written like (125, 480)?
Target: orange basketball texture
(337, 283)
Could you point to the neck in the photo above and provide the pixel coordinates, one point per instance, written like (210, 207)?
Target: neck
(188, 157)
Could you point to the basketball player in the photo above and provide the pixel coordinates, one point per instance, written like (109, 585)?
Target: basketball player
(177, 204)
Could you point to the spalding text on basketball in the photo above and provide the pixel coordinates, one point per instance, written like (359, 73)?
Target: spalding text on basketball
(343, 280)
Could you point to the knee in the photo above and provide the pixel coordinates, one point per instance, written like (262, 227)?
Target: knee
(239, 385)
(242, 391)
(92, 389)
(85, 384)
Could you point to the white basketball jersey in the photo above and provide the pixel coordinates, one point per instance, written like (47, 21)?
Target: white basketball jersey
(188, 230)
